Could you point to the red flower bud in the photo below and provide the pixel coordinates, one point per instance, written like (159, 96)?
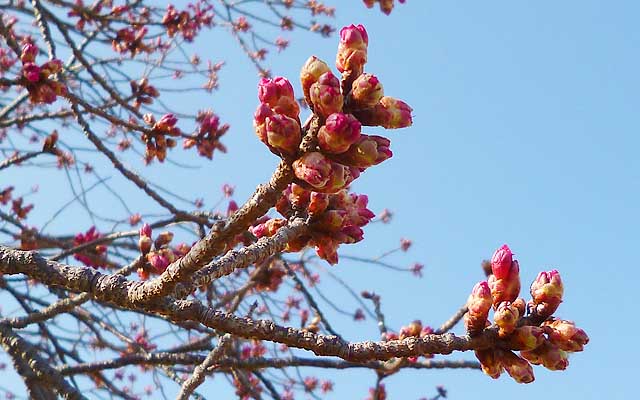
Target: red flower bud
(283, 133)
(52, 67)
(259, 121)
(31, 71)
(367, 151)
(547, 291)
(314, 169)
(352, 49)
(366, 92)
(478, 306)
(338, 133)
(278, 94)
(325, 95)
(310, 73)
(506, 289)
(29, 53)
(501, 262)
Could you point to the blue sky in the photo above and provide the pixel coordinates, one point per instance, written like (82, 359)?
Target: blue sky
(526, 133)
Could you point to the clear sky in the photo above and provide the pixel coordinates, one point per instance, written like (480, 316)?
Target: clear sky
(525, 132)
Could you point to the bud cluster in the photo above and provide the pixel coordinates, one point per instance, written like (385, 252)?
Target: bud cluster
(156, 140)
(386, 6)
(414, 329)
(540, 338)
(334, 219)
(337, 151)
(94, 256)
(207, 135)
(36, 78)
(188, 22)
(157, 252)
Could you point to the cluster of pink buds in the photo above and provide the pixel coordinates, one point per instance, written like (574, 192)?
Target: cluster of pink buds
(7, 60)
(95, 256)
(36, 78)
(131, 40)
(386, 6)
(334, 219)
(414, 329)
(526, 327)
(157, 252)
(269, 277)
(143, 92)
(337, 151)
(208, 134)
(188, 22)
(157, 141)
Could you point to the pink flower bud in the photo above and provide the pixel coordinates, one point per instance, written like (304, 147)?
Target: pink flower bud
(311, 71)
(566, 335)
(327, 249)
(52, 67)
(549, 355)
(366, 92)
(501, 262)
(339, 132)
(330, 221)
(318, 202)
(367, 151)
(144, 244)
(167, 122)
(526, 337)
(159, 261)
(259, 121)
(400, 112)
(352, 49)
(489, 362)
(31, 71)
(506, 289)
(163, 239)
(478, 306)
(29, 53)
(277, 93)
(506, 317)
(145, 230)
(313, 168)
(325, 94)
(283, 133)
(547, 291)
(518, 368)
(268, 228)
(341, 176)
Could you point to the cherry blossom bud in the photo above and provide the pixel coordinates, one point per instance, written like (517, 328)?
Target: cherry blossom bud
(318, 202)
(526, 337)
(268, 228)
(501, 262)
(325, 95)
(506, 317)
(311, 71)
(31, 71)
(339, 132)
(566, 335)
(277, 93)
(366, 92)
(489, 362)
(159, 261)
(259, 121)
(283, 133)
(167, 122)
(144, 244)
(352, 49)
(341, 176)
(29, 53)
(313, 168)
(389, 113)
(547, 291)
(52, 67)
(549, 355)
(478, 305)
(367, 151)
(145, 230)
(164, 238)
(327, 249)
(518, 368)
(506, 289)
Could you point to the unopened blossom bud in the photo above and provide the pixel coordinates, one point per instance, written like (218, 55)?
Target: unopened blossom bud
(508, 288)
(547, 291)
(367, 151)
(167, 122)
(478, 306)
(341, 176)
(277, 93)
(314, 169)
(549, 355)
(351, 234)
(490, 362)
(310, 73)
(52, 67)
(327, 249)
(144, 244)
(29, 53)
(338, 133)
(526, 337)
(283, 133)
(268, 228)
(352, 49)
(330, 221)
(501, 262)
(164, 238)
(518, 368)
(411, 330)
(506, 317)
(31, 71)
(366, 92)
(520, 304)
(318, 202)
(159, 261)
(566, 335)
(259, 121)
(400, 112)
(325, 95)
